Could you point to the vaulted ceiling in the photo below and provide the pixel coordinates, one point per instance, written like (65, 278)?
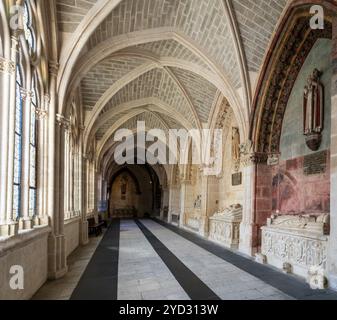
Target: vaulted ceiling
(168, 60)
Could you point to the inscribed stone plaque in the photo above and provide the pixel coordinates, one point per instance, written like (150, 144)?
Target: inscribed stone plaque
(315, 163)
(237, 179)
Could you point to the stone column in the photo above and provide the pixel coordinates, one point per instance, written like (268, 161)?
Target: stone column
(164, 201)
(332, 252)
(185, 184)
(7, 74)
(11, 227)
(57, 266)
(84, 237)
(257, 204)
(41, 115)
(67, 194)
(26, 220)
(204, 206)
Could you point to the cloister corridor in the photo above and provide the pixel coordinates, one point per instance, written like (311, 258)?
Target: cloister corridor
(150, 260)
(168, 150)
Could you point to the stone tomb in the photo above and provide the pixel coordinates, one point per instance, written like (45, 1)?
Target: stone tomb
(224, 227)
(296, 243)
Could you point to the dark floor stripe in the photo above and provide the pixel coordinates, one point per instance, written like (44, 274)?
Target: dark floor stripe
(100, 279)
(193, 286)
(288, 284)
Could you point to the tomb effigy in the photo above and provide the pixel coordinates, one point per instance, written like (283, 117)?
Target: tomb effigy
(298, 242)
(224, 226)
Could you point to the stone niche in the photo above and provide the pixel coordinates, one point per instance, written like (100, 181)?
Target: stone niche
(224, 226)
(296, 243)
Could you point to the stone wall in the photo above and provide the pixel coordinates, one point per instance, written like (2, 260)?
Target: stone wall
(294, 191)
(29, 251)
(292, 144)
(143, 201)
(72, 235)
(332, 255)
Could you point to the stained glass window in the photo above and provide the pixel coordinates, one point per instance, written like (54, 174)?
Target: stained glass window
(17, 146)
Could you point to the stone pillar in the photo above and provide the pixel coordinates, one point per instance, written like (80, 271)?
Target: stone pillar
(84, 236)
(203, 230)
(26, 220)
(257, 205)
(10, 228)
(7, 76)
(183, 197)
(332, 252)
(57, 266)
(42, 176)
(248, 227)
(164, 201)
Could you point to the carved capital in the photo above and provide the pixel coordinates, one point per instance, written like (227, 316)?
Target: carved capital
(47, 99)
(41, 114)
(273, 159)
(62, 122)
(249, 157)
(53, 68)
(26, 95)
(7, 66)
(254, 158)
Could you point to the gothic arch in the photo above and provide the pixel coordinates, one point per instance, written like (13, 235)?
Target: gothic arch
(130, 173)
(292, 42)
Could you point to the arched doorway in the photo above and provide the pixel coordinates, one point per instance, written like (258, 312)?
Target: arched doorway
(135, 191)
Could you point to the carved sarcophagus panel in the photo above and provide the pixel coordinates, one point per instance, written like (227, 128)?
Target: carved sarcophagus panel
(296, 241)
(224, 227)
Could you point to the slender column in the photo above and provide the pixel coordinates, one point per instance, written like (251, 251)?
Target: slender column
(84, 238)
(71, 179)
(42, 177)
(332, 251)
(26, 222)
(66, 190)
(165, 201)
(56, 243)
(183, 200)
(11, 220)
(7, 72)
(203, 230)
(171, 198)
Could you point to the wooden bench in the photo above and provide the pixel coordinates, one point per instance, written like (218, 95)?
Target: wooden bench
(102, 221)
(95, 228)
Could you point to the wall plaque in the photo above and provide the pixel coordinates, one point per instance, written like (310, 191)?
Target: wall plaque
(315, 163)
(237, 179)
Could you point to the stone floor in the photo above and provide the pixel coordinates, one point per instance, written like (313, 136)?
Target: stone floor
(161, 262)
(62, 289)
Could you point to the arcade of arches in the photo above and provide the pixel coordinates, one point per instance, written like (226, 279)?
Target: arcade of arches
(74, 72)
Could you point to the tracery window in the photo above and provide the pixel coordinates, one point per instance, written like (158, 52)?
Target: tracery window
(20, 111)
(28, 27)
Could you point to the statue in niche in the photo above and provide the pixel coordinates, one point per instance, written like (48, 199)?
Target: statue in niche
(197, 203)
(236, 148)
(313, 111)
(124, 185)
